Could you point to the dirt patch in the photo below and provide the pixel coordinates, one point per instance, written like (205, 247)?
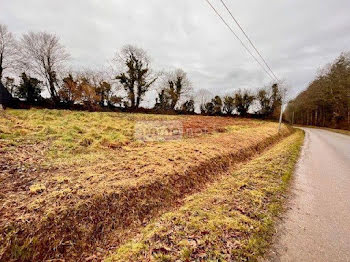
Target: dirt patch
(198, 125)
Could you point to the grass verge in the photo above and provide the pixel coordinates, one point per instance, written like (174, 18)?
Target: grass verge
(233, 220)
(339, 131)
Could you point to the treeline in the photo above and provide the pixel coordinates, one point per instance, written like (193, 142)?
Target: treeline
(266, 103)
(40, 62)
(326, 101)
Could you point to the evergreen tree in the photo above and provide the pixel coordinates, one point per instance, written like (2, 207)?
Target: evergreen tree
(29, 89)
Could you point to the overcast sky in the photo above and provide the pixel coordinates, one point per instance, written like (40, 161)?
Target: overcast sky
(296, 37)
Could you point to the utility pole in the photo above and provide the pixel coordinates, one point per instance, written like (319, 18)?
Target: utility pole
(348, 109)
(280, 123)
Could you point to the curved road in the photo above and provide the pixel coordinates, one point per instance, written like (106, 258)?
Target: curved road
(317, 225)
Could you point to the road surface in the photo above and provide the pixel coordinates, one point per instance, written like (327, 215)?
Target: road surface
(317, 225)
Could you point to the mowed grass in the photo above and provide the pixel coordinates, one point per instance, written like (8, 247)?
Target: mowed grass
(232, 220)
(72, 181)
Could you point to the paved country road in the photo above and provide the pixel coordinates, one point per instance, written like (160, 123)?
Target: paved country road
(317, 225)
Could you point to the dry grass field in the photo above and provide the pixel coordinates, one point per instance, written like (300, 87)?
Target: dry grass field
(232, 220)
(77, 185)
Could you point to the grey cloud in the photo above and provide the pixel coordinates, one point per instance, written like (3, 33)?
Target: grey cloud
(296, 37)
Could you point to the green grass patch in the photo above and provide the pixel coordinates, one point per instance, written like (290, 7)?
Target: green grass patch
(70, 134)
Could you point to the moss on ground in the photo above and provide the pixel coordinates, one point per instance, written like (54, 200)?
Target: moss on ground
(233, 220)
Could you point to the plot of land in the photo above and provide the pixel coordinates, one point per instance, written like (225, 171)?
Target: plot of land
(77, 182)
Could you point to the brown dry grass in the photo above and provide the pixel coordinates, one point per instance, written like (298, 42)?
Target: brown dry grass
(232, 220)
(62, 199)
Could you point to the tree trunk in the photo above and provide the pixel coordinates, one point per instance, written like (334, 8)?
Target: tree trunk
(312, 118)
(138, 98)
(1, 70)
(52, 79)
(138, 101)
(132, 95)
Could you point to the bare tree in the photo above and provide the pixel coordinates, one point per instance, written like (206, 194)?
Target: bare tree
(203, 96)
(44, 55)
(10, 84)
(175, 87)
(7, 50)
(229, 105)
(134, 73)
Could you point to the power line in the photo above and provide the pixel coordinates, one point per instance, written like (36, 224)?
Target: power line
(250, 41)
(246, 48)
